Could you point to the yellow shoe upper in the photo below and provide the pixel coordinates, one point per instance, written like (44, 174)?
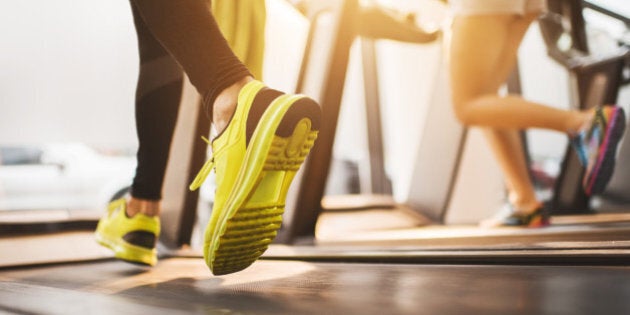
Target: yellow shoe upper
(254, 168)
(115, 225)
(228, 149)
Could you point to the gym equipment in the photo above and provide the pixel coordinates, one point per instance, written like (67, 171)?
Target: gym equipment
(323, 78)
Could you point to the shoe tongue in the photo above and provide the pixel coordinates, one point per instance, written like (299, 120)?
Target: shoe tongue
(261, 102)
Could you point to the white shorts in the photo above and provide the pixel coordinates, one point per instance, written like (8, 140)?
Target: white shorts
(484, 7)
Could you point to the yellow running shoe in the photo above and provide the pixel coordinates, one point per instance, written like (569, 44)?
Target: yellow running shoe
(255, 160)
(132, 239)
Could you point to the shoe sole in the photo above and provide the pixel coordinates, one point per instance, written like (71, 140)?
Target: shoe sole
(603, 169)
(128, 252)
(538, 221)
(248, 223)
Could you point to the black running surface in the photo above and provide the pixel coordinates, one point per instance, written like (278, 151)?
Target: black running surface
(185, 286)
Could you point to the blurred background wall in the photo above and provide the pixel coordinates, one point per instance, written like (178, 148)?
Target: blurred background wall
(68, 70)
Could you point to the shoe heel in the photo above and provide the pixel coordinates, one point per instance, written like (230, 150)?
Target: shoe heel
(254, 224)
(250, 231)
(303, 108)
(288, 153)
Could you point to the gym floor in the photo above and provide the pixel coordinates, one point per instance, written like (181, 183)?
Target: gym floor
(578, 266)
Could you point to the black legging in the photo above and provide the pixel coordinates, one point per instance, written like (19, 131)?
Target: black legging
(170, 34)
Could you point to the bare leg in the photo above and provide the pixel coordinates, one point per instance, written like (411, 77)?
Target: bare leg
(225, 104)
(144, 206)
(483, 54)
(507, 149)
(482, 48)
(513, 112)
(506, 143)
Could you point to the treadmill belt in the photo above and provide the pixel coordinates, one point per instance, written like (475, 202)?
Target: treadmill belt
(185, 286)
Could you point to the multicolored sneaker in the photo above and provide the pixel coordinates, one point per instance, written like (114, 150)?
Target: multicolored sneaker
(596, 147)
(255, 160)
(132, 239)
(507, 216)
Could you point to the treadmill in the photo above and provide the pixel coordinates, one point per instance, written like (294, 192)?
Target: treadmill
(514, 272)
(412, 230)
(597, 75)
